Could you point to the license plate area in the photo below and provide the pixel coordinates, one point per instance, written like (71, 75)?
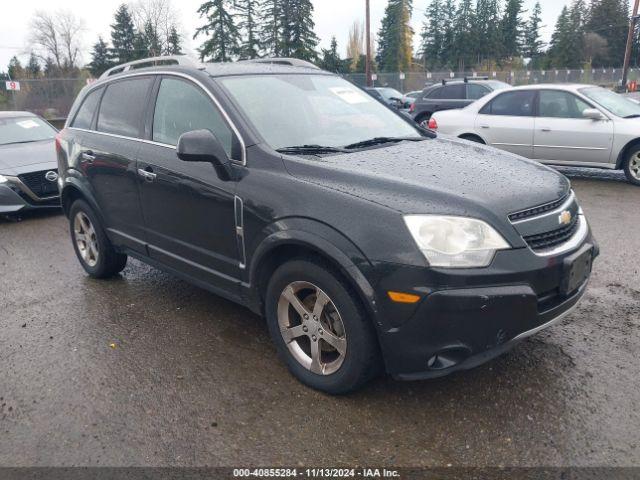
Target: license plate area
(576, 270)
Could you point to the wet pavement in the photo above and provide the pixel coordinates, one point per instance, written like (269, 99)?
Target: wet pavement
(146, 369)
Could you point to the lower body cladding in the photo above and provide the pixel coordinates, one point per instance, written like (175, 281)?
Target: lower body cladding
(16, 195)
(468, 317)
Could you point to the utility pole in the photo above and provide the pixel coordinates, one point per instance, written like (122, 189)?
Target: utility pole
(368, 40)
(627, 53)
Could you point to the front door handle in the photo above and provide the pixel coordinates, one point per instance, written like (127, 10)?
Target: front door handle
(88, 156)
(147, 174)
(484, 126)
(545, 129)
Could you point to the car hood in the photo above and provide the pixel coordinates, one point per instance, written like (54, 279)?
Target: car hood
(23, 157)
(441, 176)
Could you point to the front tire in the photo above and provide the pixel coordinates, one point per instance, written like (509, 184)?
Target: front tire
(632, 166)
(320, 329)
(93, 249)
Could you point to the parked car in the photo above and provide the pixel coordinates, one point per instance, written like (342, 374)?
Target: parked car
(450, 95)
(579, 125)
(348, 227)
(390, 96)
(28, 163)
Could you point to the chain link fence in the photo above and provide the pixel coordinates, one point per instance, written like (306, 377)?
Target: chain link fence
(52, 97)
(407, 82)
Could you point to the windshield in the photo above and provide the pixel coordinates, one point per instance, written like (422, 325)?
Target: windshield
(616, 104)
(295, 110)
(24, 130)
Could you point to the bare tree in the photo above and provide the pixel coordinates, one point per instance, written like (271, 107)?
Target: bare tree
(156, 15)
(355, 45)
(594, 45)
(57, 36)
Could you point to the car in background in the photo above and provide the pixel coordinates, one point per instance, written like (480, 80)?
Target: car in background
(390, 96)
(28, 163)
(450, 95)
(578, 125)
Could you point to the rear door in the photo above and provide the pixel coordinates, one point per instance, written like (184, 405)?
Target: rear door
(188, 210)
(507, 122)
(562, 134)
(108, 150)
(451, 97)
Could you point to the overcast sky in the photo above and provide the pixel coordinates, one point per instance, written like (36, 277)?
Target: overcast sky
(332, 17)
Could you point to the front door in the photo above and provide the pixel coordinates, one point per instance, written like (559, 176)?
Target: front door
(562, 134)
(188, 210)
(507, 122)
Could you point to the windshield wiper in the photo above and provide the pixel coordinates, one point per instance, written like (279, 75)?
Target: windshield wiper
(635, 115)
(380, 141)
(22, 141)
(310, 149)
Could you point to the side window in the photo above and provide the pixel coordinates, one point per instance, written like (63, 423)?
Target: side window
(556, 104)
(182, 107)
(474, 91)
(122, 108)
(454, 92)
(515, 104)
(85, 113)
(434, 94)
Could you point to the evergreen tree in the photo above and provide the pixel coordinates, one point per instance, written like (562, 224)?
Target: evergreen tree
(464, 43)
(433, 35)
(395, 39)
(299, 39)
(174, 42)
(33, 69)
(100, 58)
(487, 38)
(152, 42)
(449, 34)
(610, 20)
(15, 70)
(123, 36)
(533, 45)
(331, 58)
(272, 27)
(223, 37)
(512, 29)
(560, 52)
(249, 11)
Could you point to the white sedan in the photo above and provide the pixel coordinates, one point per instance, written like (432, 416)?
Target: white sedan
(578, 125)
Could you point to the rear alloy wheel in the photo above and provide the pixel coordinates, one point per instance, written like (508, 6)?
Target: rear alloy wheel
(632, 166)
(320, 328)
(94, 250)
(423, 121)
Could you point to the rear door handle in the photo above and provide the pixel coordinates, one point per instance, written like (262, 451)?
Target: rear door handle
(88, 156)
(545, 129)
(484, 126)
(147, 174)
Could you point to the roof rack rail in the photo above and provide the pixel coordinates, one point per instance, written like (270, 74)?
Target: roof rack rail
(152, 62)
(292, 62)
(465, 79)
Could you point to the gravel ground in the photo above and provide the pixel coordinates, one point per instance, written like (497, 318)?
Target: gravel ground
(148, 370)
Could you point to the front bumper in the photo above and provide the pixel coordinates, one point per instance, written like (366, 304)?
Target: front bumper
(468, 317)
(16, 196)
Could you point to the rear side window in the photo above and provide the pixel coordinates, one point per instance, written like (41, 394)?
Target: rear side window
(474, 92)
(453, 92)
(434, 94)
(122, 107)
(515, 104)
(182, 107)
(84, 117)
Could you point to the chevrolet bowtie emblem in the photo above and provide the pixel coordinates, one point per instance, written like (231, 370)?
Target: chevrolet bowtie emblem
(565, 218)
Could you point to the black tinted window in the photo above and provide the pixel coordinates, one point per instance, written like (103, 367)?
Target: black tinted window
(182, 107)
(474, 92)
(123, 106)
(434, 94)
(516, 104)
(85, 113)
(453, 92)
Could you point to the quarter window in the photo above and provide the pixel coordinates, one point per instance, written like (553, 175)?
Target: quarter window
(556, 104)
(123, 105)
(182, 107)
(84, 117)
(516, 104)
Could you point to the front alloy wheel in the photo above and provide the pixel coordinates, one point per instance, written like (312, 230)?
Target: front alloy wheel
(312, 328)
(86, 239)
(632, 169)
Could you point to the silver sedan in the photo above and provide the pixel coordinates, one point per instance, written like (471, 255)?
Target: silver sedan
(578, 125)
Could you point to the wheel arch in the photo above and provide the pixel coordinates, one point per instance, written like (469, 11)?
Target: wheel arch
(469, 136)
(625, 151)
(72, 190)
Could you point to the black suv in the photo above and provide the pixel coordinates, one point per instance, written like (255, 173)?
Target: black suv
(450, 95)
(366, 242)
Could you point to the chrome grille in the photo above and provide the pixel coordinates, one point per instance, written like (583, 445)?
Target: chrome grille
(553, 238)
(38, 184)
(535, 211)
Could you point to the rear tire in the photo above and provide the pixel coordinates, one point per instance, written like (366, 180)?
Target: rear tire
(320, 329)
(423, 120)
(631, 166)
(93, 249)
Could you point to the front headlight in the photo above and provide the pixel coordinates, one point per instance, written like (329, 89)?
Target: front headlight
(455, 242)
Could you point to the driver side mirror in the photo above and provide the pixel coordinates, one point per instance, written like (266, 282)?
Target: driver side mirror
(593, 114)
(204, 146)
